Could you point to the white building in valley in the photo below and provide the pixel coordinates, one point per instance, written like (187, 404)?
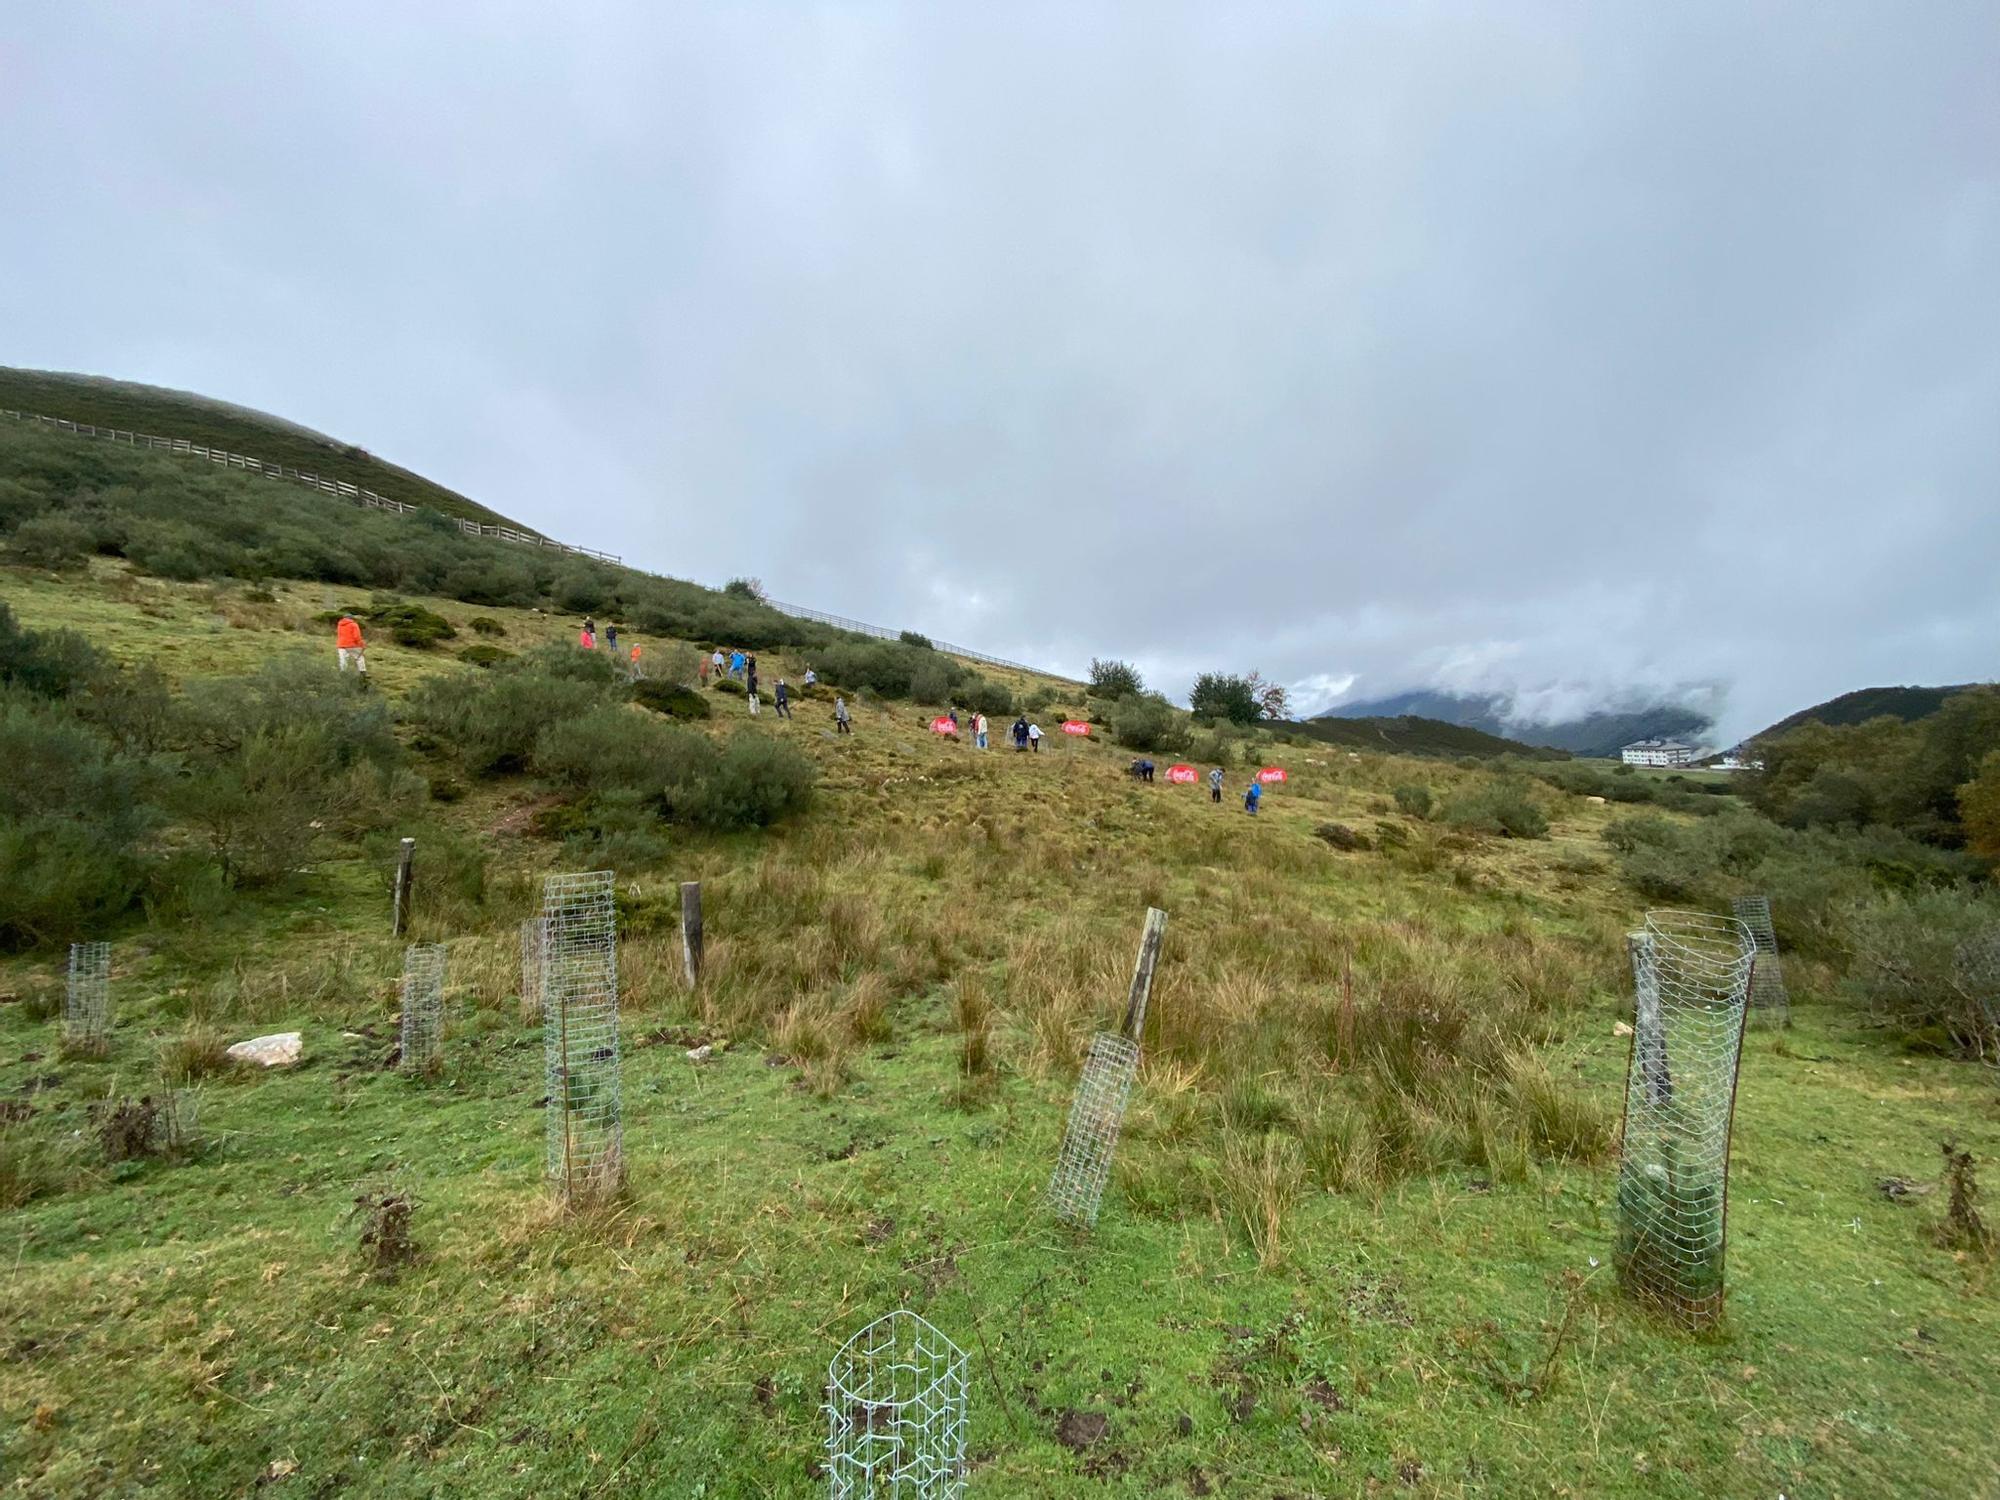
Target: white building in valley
(1658, 753)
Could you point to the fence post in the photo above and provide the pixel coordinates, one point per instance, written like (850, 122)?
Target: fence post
(691, 931)
(1142, 972)
(401, 914)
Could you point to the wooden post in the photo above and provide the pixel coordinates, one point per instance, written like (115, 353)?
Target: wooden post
(691, 931)
(1142, 972)
(401, 915)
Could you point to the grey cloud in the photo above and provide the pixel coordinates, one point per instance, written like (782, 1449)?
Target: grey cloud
(1569, 350)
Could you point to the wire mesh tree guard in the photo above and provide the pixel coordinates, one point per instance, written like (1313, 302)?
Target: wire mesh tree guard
(1768, 1000)
(87, 999)
(423, 1007)
(1091, 1140)
(1097, 1111)
(531, 969)
(579, 987)
(895, 1413)
(1691, 972)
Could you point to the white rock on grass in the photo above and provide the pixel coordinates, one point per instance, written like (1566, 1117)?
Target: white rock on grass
(279, 1050)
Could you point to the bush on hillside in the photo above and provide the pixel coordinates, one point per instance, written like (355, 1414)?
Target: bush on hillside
(1911, 968)
(731, 686)
(72, 817)
(1150, 724)
(486, 625)
(915, 638)
(930, 683)
(751, 782)
(482, 655)
(1414, 800)
(1115, 679)
(674, 699)
(52, 541)
(410, 624)
(493, 721)
(1497, 807)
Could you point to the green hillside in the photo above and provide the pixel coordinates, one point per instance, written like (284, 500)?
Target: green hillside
(1363, 1228)
(1906, 703)
(131, 407)
(1408, 734)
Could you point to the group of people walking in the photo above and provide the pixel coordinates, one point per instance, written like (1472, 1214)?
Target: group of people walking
(587, 638)
(1026, 736)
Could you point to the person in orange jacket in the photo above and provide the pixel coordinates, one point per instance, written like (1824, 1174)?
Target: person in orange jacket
(347, 643)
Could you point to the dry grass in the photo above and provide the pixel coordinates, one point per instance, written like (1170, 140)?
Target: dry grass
(193, 1053)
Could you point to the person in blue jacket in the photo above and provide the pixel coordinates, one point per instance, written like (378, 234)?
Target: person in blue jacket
(1252, 797)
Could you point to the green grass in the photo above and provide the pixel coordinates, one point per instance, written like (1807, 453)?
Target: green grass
(160, 412)
(196, 1327)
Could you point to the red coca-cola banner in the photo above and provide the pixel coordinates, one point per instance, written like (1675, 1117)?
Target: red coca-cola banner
(1271, 773)
(1181, 773)
(1075, 726)
(942, 725)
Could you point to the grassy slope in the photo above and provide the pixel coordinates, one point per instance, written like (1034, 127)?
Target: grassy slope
(179, 414)
(191, 1329)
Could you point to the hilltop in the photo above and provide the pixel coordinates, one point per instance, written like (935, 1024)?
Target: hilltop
(1906, 703)
(161, 412)
(1598, 734)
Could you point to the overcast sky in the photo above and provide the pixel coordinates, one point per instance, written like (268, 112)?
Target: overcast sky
(1567, 350)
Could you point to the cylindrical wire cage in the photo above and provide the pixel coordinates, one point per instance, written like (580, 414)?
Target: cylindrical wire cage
(895, 1413)
(1096, 1114)
(1692, 973)
(1768, 1002)
(579, 985)
(86, 1014)
(423, 1007)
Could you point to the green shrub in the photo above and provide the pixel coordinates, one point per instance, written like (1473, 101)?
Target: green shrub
(409, 624)
(930, 682)
(482, 655)
(53, 541)
(72, 818)
(1115, 679)
(753, 781)
(913, 638)
(612, 747)
(47, 663)
(492, 721)
(1911, 968)
(1150, 724)
(673, 699)
(1501, 807)
(732, 686)
(1414, 800)
(486, 625)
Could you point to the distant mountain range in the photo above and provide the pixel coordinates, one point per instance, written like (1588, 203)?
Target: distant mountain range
(1600, 734)
(1863, 704)
(1407, 734)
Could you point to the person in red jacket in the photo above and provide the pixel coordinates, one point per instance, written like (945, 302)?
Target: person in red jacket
(347, 643)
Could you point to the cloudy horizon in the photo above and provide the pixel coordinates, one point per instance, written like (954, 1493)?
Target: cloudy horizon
(1573, 353)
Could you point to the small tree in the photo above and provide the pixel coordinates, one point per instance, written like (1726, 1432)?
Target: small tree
(1221, 695)
(751, 589)
(1115, 679)
(915, 638)
(1272, 700)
